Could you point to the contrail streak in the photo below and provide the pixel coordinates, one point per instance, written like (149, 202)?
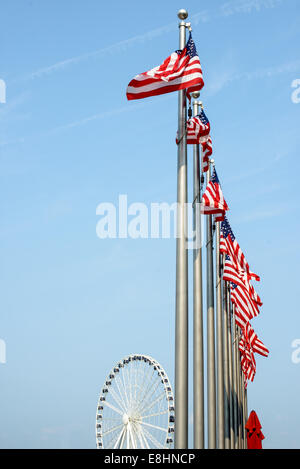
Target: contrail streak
(226, 9)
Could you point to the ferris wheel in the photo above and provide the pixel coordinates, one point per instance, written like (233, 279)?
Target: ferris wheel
(136, 406)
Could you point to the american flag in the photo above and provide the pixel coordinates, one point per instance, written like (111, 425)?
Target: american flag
(213, 202)
(240, 319)
(229, 245)
(196, 128)
(248, 363)
(243, 302)
(232, 273)
(181, 70)
(206, 145)
(255, 343)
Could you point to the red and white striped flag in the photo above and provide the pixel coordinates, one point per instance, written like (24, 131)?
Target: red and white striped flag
(206, 145)
(232, 273)
(181, 70)
(248, 363)
(213, 202)
(229, 245)
(243, 302)
(196, 128)
(255, 343)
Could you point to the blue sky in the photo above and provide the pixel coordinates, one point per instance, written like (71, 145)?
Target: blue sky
(72, 304)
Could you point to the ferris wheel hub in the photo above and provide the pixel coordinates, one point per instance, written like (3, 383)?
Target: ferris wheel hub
(125, 419)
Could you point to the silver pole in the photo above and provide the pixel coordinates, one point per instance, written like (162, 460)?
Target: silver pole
(211, 371)
(235, 383)
(230, 371)
(198, 363)
(239, 391)
(220, 358)
(242, 408)
(245, 416)
(226, 369)
(181, 331)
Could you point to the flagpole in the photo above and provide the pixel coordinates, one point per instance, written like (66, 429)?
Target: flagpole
(230, 369)
(198, 363)
(242, 406)
(245, 415)
(181, 327)
(211, 372)
(226, 368)
(240, 393)
(220, 358)
(235, 381)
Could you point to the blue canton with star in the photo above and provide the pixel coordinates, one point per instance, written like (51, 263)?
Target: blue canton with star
(190, 48)
(226, 229)
(215, 178)
(203, 118)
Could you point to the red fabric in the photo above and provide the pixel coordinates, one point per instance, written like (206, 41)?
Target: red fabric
(254, 433)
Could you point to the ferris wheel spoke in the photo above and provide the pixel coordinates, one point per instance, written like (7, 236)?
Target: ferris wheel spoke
(148, 375)
(148, 395)
(110, 442)
(118, 400)
(154, 415)
(144, 438)
(153, 426)
(131, 437)
(112, 429)
(113, 407)
(145, 390)
(125, 394)
(127, 439)
(153, 439)
(136, 382)
(123, 439)
(159, 398)
(132, 380)
(147, 385)
(125, 386)
(119, 439)
(139, 435)
(112, 418)
(130, 384)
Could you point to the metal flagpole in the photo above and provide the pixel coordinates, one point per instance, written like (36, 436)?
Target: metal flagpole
(226, 368)
(230, 370)
(242, 406)
(245, 415)
(181, 327)
(240, 392)
(235, 382)
(220, 358)
(198, 363)
(211, 372)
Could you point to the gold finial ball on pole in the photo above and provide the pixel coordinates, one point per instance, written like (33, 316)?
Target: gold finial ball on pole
(182, 14)
(196, 94)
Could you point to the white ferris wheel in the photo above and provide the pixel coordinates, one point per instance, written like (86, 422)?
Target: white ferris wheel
(136, 406)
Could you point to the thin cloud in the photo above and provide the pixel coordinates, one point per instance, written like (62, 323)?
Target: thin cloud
(220, 81)
(262, 214)
(78, 123)
(227, 9)
(248, 6)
